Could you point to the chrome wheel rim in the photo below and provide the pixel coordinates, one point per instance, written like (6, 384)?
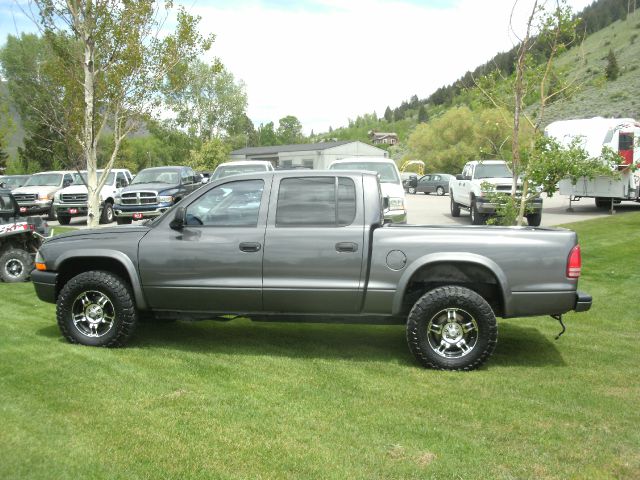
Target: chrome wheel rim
(440, 191)
(93, 314)
(412, 190)
(452, 333)
(14, 267)
(109, 214)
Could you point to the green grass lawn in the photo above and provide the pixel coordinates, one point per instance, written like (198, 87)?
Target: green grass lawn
(245, 400)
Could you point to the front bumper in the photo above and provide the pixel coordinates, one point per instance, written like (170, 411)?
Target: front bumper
(395, 216)
(486, 206)
(38, 206)
(141, 211)
(73, 209)
(45, 284)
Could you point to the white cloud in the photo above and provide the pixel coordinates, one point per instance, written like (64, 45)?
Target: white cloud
(330, 63)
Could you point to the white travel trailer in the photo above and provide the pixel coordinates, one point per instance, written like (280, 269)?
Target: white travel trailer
(621, 135)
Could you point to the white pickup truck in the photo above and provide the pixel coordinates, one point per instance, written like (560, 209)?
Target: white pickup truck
(466, 191)
(72, 201)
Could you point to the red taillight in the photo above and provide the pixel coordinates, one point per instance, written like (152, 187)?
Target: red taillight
(574, 263)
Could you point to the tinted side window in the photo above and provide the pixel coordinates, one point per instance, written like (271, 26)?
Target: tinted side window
(233, 204)
(316, 201)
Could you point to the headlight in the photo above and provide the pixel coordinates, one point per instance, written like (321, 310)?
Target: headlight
(396, 203)
(118, 198)
(45, 196)
(56, 197)
(165, 198)
(39, 262)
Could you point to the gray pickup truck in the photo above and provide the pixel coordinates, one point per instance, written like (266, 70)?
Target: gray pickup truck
(309, 246)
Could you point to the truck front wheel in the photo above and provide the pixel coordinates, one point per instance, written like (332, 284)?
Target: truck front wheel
(455, 208)
(452, 328)
(476, 217)
(106, 216)
(96, 308)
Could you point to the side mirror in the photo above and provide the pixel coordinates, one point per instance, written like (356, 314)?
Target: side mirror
(66, 183)
(178, 220)
(459, 177)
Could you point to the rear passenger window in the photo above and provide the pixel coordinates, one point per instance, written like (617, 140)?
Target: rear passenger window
(316, 202)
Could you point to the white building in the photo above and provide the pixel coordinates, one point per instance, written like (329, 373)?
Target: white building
(311, 155)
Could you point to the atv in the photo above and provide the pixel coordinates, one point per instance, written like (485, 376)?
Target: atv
(20, 239)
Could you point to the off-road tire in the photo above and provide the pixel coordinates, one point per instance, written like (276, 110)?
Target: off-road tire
(64, 219)
(476, 217)
(534, 219)
(107, 216)
(440, 191)
(123, 220)
(119, 294)
(429, 306)
(15, 265)
(455, 208)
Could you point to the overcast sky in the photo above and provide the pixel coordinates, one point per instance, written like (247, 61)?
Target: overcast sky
(326, 61)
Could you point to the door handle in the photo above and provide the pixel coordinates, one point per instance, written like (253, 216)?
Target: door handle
(250, 246)
(346, 247)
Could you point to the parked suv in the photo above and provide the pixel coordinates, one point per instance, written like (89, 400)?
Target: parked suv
(467, 191)
(36, 195)
(153, 191)
(390, 183)
(72, 201)
(236, 168)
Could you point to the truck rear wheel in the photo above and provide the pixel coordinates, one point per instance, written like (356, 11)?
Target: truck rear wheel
(452, 328)
(455, 208)
(15, 265)
(96, 308)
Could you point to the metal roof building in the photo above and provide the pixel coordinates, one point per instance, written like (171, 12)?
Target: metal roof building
(311, 155)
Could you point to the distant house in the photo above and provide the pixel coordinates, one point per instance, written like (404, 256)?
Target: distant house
(310, 155)
(387, 138)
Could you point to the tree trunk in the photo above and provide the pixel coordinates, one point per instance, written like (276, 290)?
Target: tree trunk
(90, 143)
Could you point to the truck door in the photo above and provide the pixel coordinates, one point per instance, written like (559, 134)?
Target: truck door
(214, 264)
(313, 256)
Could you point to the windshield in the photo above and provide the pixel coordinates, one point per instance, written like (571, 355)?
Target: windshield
(83, 181)
(227, 170)
(171, 177)
(495, 170)
(13, 181)
(44, 180)
(386, 171)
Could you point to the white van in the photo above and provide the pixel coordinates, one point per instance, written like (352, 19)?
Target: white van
(390, 182)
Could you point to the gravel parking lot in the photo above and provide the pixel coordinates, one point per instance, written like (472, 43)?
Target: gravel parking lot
(434, 210)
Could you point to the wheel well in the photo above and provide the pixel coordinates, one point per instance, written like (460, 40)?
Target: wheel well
(78, 265)
(469, 275)
(109, 200)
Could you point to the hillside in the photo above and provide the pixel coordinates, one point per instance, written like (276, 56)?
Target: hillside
(597, 96)
(593, 94)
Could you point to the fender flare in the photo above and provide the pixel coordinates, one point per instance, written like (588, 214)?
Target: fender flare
(450, 257)
(115, 255)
